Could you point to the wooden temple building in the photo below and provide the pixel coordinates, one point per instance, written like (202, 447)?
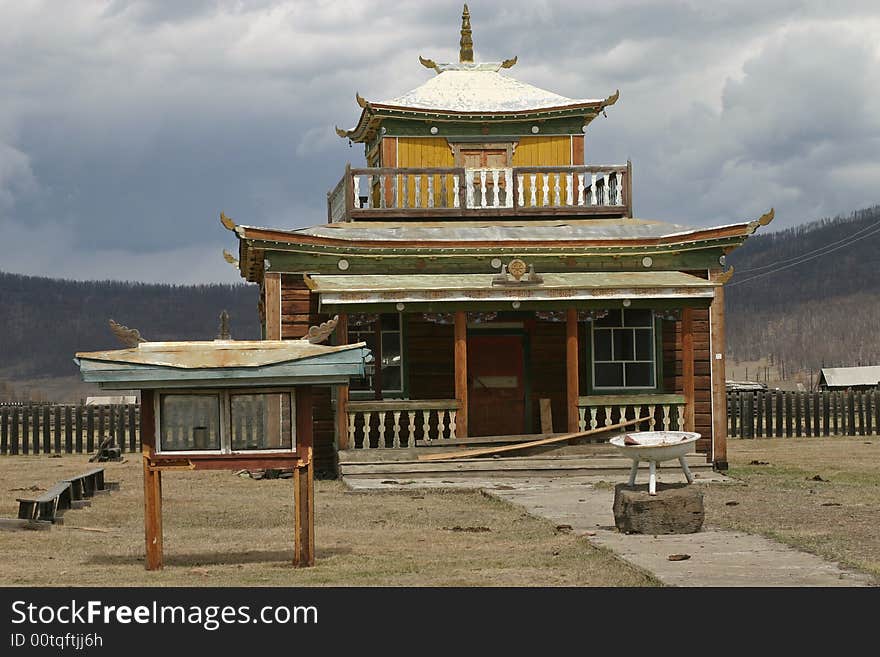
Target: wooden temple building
(500, 280)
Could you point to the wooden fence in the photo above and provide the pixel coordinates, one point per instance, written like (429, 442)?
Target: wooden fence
(41, 428)
(778, 414)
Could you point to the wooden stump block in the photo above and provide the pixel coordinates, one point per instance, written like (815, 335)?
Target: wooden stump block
(675, 509)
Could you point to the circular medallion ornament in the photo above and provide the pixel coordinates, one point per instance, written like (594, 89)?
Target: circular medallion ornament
(517, 268)
(342, 264)
(496, 263)
(647, 261)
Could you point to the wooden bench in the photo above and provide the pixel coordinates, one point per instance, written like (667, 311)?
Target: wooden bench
(87, 484)
(47, 507)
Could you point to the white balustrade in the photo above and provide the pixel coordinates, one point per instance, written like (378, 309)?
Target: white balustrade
(666, 410)
(435, 418)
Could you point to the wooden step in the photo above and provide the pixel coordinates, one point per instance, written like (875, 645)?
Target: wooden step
(510, 466)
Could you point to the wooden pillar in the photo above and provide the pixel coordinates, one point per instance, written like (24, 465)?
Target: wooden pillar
(342, 392)
(304, 483)
(687, 367)
(152, 486)
(719, 392)
(272, 301)
(572, 386)
(461, 384)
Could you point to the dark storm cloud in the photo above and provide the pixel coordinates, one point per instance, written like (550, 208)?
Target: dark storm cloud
(126, 127)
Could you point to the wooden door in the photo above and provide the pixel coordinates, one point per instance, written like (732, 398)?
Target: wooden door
(496, 385)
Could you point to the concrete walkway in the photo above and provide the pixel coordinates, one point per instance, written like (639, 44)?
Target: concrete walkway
(717, 557)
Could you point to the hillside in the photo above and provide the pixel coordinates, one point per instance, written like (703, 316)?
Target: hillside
(808, 296)
(44, 321)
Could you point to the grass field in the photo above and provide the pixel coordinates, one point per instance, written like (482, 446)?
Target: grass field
(221, 529)
(226, 530)
(821, 495)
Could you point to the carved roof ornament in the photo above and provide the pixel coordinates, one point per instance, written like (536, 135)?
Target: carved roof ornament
(228, 257)
(223, 333)
(724, 276)
(321, 332)
(228, 223)
(516, 272)
(466, 51)
(361, 101)
(127, 336)
(763, 220)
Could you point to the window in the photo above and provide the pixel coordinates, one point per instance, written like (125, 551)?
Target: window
(623, 345)
(224, 422)
(383, 336)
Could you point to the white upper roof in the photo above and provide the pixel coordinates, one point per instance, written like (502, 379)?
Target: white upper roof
(481, 89)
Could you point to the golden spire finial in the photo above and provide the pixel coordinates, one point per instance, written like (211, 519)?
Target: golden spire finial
(466, 54)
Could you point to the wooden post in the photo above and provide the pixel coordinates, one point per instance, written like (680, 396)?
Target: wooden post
(572, 386)
(687, 367)
(718, 358)
(342, 392)
(152, 486)
(304, 483)
(272, 301)
(461, 384)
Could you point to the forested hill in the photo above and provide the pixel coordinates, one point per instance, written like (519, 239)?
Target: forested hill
(810, 295)
(44, 321)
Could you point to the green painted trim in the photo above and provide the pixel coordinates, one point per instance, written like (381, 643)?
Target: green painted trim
(452, 306)
(326, 263)
(420, 126)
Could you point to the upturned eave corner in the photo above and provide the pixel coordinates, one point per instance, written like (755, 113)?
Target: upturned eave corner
(763, 220)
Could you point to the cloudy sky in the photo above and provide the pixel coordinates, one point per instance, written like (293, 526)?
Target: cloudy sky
(127, 126)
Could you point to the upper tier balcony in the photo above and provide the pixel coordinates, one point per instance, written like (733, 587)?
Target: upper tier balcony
(390, 193)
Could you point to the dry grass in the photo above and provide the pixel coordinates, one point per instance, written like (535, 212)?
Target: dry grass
(835, 518)
(223, 530)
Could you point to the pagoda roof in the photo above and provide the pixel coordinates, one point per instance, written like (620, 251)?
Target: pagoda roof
(469, 90)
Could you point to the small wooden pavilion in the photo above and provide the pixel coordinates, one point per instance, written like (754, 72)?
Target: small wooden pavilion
(226, 405)
(503, 284)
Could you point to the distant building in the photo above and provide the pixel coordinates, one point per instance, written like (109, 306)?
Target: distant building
(111, 399)
(850, 378)
(745, 386)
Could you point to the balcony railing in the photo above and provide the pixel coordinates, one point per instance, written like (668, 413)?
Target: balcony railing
(401, 193)
(397, 423)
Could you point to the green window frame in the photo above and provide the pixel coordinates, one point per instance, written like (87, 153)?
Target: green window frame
(624, 352)
(391, 329)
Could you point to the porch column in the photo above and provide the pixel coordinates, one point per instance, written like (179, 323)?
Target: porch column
(342, 392)
(461, 384)
(572, 386)
(687, 367)
(272, 305)
(717, 357)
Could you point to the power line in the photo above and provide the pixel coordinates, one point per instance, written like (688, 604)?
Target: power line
(821, 248)
(805, 259)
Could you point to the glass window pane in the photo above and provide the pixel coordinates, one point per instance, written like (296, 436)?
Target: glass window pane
(623, 344)
(638, 317)
(390, 322)
(602, 344)
(390, 349)
(365, 382)
(261, 421)
(189, 423)
(609, 375)
(611, 319)
(639, 375)
(644, 344)
(391, 379)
